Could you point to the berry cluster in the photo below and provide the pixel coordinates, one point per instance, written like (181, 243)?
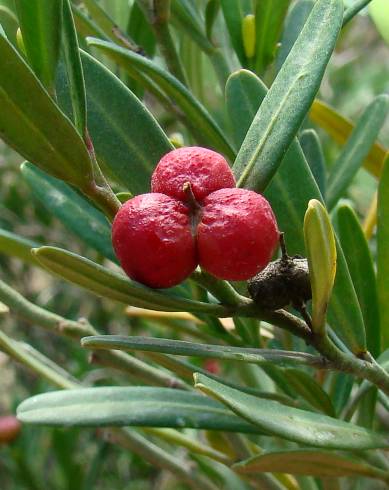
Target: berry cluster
(194, 215)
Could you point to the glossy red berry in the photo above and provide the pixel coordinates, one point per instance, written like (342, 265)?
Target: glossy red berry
(206, 170)
(237, 234)
(152, 239)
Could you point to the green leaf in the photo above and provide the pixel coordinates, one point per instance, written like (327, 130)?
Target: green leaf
(233, 12)
(309, 462)
(294, 23)
(74, 69)
(289, 98)
(340, 128)
(305, 385)
(40, 23)
(33, 125)
(379, 11)
(129, 406)
(16, 246)
(140, 30)
(184, 348)
(119, 124)
(292, 423)
(383, 254)
(196, 116)
(211, 13)
(244, 93)
(70, 207)
(9, 22)
(361, 267)
(112, 285)
(313, 152)
(356, 149)
(321, 250)
(290, 207)
(269, 17)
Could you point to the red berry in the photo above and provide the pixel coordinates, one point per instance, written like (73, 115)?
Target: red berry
(237, 234)
(9, 428)
(206, 170)
(152, 239)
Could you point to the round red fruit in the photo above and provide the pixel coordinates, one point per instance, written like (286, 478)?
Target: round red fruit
(9, 428)
(237, 234)
(152, 239)
(206, 170)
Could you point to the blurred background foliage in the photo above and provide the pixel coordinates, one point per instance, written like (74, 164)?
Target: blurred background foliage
(74, 459)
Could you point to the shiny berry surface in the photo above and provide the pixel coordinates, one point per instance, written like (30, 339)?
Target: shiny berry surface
(206, 170)
(9, 428)
(152, 239)
(237, 234)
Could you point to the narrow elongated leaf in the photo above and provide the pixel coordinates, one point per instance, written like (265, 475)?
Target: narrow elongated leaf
(356, 149)
(269, 18)
(9, 22)
(361, 267)
(113, 285)
(129, 406)
(313, 152)
(289, 193)
(74, 210)
(289, 98)
(233, 12)
(383, 254)
(184, 348)
(74, 69)
(309, 462)
(196, 115)
(292, 423)
(321, 250)
(40, 23)
(244, 93)
(294, 22)
(340, 128)
(16, 246)
(119, 125)
(305, 385)
(33, 125)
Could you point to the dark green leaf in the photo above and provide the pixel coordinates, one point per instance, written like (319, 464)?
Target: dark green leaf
(356, 149)
(289, 98)
(361, 267)
(197, 117)
(244, 94)
(289, 193)
(74, 69)
(33, 125)
(112, 285)
(305, 385)
(40, 23)
(74, 210)
(132, 406)
(234, 11)
(294, 23)
(309, 462)
(292, 423)
(119, 124)
(211, 12)
(269, 17)
(383, 254)
(184, 348)
(314, 155)
(140, 30)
